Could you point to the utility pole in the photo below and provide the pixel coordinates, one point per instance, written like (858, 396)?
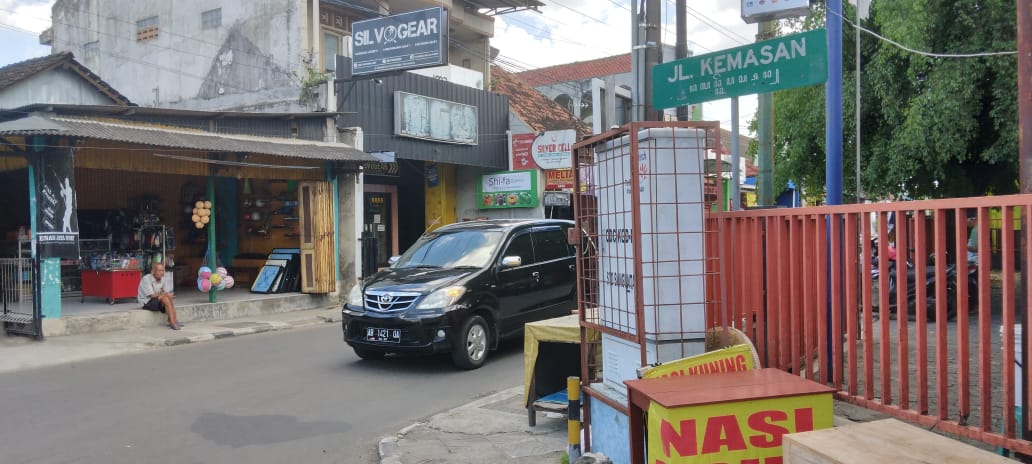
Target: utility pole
(833, 105)
(653, 53)
(681, 49)
(765, 132)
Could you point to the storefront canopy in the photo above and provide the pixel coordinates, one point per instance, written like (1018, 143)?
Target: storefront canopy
(176, 137)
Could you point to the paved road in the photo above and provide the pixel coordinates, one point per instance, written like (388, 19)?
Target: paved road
(295, 396)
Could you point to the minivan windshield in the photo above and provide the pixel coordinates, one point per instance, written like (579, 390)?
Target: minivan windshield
(452, 249)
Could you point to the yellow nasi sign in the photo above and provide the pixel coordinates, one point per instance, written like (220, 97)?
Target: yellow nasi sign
(738, 432)
(736, 358)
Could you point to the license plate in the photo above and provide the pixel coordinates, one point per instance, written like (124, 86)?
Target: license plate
(374, 334)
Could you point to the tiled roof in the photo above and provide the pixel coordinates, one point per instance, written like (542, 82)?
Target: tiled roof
(533, 107)
(577, 71)
(17, 72)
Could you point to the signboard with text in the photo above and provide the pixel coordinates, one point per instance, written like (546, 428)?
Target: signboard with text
(559, 180)
(795, 60)
(546, 150)
(417, 39)
(754, 11)
(738, 432)
(428, 118)
(509, 189)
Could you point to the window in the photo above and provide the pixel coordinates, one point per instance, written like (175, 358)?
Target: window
(211, 19)
(521, 246)
(91, 50)
(551, 244)
(331, 48)
(147, 29)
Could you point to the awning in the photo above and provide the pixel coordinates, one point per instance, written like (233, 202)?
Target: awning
(177, 137)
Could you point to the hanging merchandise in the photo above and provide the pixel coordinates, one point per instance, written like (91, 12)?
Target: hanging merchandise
(208, 280)
(201, 213)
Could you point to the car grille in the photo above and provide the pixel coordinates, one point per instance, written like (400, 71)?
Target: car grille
(389, 302)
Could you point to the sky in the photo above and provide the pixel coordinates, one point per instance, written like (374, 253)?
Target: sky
(563, 31)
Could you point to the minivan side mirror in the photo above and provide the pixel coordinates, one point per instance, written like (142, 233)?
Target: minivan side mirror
(511, 261)
(393, 260)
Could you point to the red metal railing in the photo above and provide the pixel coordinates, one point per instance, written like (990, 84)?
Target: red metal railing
(818, 292)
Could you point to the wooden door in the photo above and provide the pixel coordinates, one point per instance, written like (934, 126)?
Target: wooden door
(315, 210)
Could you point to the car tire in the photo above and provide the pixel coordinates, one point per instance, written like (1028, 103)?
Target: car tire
(471, 344)
(369, 354)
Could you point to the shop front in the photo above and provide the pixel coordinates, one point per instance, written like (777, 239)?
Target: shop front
(433, 140)
(185, 189)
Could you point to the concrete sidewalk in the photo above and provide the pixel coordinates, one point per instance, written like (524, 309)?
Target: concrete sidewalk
(25, 353)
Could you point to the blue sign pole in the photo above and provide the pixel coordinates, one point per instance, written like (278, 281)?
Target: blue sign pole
(833, 140)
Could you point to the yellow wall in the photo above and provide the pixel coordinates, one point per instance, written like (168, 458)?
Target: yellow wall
(440, 199)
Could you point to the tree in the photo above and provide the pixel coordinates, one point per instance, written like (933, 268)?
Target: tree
(932, 126)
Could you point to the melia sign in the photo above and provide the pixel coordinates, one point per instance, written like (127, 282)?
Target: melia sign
(417, 39)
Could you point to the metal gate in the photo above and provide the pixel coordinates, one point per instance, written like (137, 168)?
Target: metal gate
(18, 283)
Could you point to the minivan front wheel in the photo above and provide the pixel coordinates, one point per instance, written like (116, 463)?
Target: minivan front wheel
(470, 350)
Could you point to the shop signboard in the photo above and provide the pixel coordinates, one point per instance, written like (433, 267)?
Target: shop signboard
(747, 431)
(508, 189)
(559, 180)
(521, 157)
(57, 224)
(428, 118)
(794, 60)
(417, 39)
(754, 11)
(553, 149)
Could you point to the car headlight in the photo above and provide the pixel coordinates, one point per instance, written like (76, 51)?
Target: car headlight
(442, 298)
(355, 297)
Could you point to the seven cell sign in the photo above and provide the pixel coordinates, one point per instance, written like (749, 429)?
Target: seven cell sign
(785, 62)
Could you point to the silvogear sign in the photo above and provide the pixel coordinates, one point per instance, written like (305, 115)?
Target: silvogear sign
(785, 62)
(417, 39)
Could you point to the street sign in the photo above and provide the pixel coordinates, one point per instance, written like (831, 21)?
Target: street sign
(417, 39)
(795, 60)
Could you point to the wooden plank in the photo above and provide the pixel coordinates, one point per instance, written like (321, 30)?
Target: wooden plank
(880, 442)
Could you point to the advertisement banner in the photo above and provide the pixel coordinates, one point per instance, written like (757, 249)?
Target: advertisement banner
(732, 359)
(509, 189)
(521, 157)
(417, 39)
(733, 432)
(57, 224)
(559, 180)
(554, 149)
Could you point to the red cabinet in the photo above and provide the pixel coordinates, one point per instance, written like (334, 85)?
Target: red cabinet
(111, 285)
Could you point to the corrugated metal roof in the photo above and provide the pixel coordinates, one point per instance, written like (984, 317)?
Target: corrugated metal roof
(174, 137)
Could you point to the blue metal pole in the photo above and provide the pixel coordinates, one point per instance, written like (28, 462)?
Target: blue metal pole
(833, 103)
(833, 141)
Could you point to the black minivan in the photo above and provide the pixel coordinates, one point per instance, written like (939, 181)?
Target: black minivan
(463, 287)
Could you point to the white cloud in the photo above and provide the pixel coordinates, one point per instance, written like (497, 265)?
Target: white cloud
(30, 15)
(576, 30)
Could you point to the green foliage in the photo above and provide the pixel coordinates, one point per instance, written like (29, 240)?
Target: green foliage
(310, 80)
(930, 126)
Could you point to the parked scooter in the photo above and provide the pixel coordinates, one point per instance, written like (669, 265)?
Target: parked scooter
(927, 284)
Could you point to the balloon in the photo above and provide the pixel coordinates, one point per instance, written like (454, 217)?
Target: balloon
(221, 271)
(195, 218)
(199, 225)
(228, 281)
(204, 272)
(220, 286)
(205, 285)
(207, 204)
(215, 279)
(199, 204)
(205, 219)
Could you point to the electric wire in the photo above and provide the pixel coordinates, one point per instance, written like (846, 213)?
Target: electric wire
(920, 52)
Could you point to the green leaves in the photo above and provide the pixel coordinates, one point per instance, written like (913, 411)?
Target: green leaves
(931, 126)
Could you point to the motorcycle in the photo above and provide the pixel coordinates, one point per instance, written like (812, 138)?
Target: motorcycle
(928, 285)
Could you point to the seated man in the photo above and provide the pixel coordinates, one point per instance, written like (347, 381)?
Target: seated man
(156, 293)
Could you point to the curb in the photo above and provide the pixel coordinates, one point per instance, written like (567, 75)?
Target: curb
(227, 333)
